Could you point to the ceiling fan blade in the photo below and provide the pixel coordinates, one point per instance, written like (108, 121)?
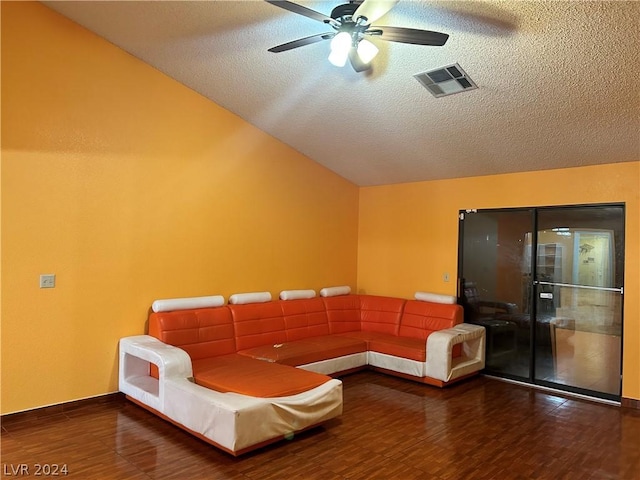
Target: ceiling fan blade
(409, 35)
(357, 64)
(373, 9)
(301, 42)
(299, 9)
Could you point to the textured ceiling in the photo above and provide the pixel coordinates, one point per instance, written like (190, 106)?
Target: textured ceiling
(558, 81)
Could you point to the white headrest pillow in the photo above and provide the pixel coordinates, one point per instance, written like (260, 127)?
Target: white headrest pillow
(186, 303)
(253, 297)
(296, 294)
(334, 291)
(435, 298)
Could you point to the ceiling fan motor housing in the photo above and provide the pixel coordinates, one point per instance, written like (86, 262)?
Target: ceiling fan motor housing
(346, 10)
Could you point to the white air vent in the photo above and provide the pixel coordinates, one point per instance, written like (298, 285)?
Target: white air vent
(446, 80)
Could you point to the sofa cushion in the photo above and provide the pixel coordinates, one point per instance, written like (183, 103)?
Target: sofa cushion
(309, 350)
(380, 314)
(334, 291)
(419, 319)
(343, 313)
(297, 294)
(363, 336)
(405, 347)
(258, 324)
(247, 376)
(435, 298)
(187, 303)
(249, 297)
(202, 333)
(304, 318)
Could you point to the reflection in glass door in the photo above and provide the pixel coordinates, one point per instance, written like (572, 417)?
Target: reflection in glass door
(495, 285)
(579, 298)
(554, 317)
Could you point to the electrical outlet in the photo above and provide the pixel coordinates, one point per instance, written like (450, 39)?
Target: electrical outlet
(445, 276)
(48, 280)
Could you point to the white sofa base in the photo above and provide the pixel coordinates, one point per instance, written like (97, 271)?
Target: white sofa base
(231, 421)
(236, 422)
(338, 364)
(396, 364)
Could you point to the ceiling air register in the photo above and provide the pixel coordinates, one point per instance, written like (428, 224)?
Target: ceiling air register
(446, 80)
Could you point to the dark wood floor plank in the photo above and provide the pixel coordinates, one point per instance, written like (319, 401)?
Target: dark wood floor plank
(391, 428)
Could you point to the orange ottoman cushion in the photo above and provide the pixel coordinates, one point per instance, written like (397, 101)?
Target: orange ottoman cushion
(257, 378)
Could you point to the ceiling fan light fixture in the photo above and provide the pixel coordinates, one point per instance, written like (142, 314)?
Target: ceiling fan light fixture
(338, 58)
(340, 46)
(367, 50)
(351, 22)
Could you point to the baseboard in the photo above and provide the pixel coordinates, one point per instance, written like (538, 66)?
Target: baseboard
(630, 403)
(63, 407)
(562, 393)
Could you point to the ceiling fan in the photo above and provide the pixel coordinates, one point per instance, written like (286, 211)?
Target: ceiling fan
(351, 23)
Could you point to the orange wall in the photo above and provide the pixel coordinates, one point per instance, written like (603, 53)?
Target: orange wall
(408, 234)
(131, 187)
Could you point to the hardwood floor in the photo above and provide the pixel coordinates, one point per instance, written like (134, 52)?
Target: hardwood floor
(391, 429)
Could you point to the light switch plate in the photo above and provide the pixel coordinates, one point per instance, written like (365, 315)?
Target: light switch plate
(47, 280)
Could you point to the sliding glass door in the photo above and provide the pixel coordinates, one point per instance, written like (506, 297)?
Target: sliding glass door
(553, 317)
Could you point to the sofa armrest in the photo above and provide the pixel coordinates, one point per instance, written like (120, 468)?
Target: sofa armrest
(440, 363)
(137, 353)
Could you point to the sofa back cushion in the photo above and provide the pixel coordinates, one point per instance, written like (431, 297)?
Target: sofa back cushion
(343, 313)
(419, 318)
(202, 333)
(380, 314)
(304, 318)
(258, 324)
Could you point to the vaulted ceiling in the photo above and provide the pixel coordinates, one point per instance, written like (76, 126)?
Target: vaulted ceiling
(557, 81)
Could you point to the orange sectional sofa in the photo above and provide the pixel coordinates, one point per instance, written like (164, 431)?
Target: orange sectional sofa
(240, 376)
